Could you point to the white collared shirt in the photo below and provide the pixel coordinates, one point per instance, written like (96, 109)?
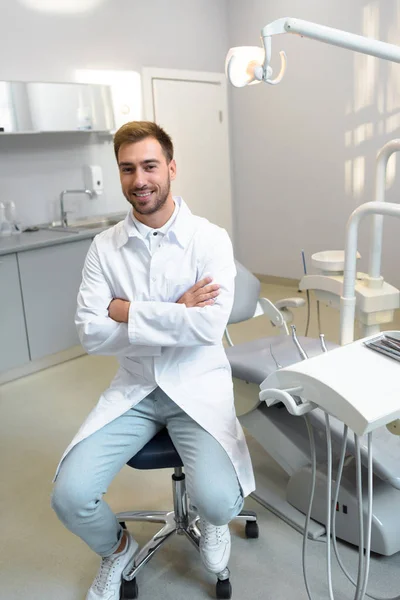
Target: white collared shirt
(164, 343)
(153, 237)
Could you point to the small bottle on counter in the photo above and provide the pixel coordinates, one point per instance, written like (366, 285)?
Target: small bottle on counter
(5, 226)
(12, 217)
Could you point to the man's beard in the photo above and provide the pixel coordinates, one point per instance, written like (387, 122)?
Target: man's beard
(155, 205)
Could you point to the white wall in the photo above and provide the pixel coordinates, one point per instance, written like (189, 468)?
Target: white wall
(40, 41)
(304, 151)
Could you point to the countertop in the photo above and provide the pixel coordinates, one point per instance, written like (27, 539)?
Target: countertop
(44, 237)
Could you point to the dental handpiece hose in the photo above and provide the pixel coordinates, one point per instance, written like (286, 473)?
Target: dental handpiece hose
(302, 352)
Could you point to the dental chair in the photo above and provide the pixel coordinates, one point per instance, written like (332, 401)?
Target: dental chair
(284, 437)
(160, 453)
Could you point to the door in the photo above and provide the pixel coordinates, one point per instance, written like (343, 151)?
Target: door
(192, 108)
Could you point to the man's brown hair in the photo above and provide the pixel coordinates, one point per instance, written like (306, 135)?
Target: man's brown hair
(136, 131)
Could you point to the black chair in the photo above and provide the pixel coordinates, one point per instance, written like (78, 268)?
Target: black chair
(160, 453)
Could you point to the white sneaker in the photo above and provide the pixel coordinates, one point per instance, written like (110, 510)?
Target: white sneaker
(107, 583)
(215, 546)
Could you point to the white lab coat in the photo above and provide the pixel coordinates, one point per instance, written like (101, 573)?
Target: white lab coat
(164, 344)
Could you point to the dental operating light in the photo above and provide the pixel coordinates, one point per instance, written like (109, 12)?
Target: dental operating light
(242, 63)
(247, 64)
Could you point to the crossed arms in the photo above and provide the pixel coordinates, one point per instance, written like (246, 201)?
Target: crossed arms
(114, 326)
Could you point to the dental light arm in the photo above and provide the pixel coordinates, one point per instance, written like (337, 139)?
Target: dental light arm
(348, 299)
(248, 65)
(377, 226)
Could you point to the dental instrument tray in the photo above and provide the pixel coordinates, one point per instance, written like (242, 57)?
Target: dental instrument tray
(359, 387)
(385, 344)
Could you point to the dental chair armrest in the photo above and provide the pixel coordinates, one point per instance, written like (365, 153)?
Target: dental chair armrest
(276, 316)
(287, 303)
(290, 303)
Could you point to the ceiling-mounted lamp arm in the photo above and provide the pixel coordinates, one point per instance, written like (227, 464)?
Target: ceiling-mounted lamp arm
(282, 72)
(248, 65)
(274, 28)
(328, 35)
(343, 39)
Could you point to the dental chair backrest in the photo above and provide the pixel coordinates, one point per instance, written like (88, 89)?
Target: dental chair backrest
(247, 292)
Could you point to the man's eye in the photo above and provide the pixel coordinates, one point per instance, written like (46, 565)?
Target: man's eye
(150, 167)
(126, 170)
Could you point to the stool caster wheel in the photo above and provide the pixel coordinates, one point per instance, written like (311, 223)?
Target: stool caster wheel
(252, 529)
(223, 589)
(129, 590)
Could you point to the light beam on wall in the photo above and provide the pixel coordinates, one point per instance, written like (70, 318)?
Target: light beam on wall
(65, 7)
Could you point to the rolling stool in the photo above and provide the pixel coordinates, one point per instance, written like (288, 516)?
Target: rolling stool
(160, 453)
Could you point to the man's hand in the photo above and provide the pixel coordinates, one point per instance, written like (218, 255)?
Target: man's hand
(202, 293)
(118, 310)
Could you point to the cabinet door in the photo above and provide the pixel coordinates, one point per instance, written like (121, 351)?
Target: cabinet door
(13, 343)
(50, 279)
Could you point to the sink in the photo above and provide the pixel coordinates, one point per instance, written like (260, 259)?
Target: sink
(84, 225)
(98, 224)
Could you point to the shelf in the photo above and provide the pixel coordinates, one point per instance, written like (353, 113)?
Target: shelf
(79, 131)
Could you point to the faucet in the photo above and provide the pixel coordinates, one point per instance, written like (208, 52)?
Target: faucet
(64, 219)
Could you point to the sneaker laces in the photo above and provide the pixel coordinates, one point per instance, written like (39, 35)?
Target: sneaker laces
(102, 580)
(212, 534)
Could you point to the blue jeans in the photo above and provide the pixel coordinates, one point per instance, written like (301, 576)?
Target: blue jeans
(89, 468)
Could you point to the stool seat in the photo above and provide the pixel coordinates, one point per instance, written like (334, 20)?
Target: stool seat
(158, 453)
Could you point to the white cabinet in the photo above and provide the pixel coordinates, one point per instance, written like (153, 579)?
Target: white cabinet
(13, 342)
(34, 107)
(50, 279)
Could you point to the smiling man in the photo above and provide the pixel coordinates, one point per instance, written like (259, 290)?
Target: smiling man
(146, 171)
(157, 292)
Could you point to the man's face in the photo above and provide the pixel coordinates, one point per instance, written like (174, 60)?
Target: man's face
(145, 175)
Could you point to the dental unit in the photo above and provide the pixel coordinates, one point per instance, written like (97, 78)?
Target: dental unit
(349, 395)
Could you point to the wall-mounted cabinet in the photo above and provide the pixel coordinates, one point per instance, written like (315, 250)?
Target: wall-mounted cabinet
(32, 107)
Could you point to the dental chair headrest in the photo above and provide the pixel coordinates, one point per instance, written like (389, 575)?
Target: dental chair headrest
(247, 292)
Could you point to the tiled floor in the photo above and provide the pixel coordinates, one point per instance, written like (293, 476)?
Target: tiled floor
(40, 560)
